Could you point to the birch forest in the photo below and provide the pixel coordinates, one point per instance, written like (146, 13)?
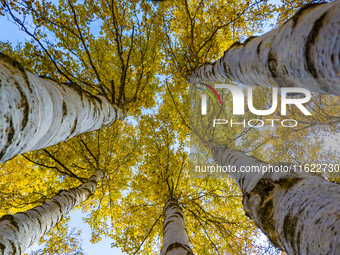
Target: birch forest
(170, 127)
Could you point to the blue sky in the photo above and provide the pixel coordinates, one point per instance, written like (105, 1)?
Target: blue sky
(10, 32)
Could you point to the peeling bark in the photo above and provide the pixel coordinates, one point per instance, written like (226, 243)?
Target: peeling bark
(175, 237)
(299, 214)
(19, 231)
(304, 52)
(36, 113)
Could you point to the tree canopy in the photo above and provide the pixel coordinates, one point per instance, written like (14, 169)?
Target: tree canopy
(137, 54)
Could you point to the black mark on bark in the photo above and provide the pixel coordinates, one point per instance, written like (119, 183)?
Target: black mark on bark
(74, 127)
(310, 42)
(298, 14)
(272, 65)
(248, 40)
(258, 49)
(11, 219)
(64, 109)
(17, 65)
(10, 135)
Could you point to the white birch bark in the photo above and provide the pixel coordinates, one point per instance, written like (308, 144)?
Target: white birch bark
(175, 237)
(36, 113)
(19, 231)
(299, 215)
(304, 52)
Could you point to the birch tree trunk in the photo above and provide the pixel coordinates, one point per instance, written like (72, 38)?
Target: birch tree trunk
(304, 52)
(36, 113)
(19, 231)
(175, 237)
(299, 215)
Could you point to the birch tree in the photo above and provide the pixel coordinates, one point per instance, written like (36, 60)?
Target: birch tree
(175, 237)
(37, 113)
(60, 240)
(20, 230)
(210, 207)
(99, 77)
(270, 59)
(300, 214)
(39, 176)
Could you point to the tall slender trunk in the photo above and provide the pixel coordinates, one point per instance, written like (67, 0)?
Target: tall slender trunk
(19, 231)
(300, 215)
(36, 113)
(303, 49)
(175, 237)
